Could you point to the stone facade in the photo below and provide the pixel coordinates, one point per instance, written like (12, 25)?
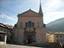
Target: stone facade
(30, 28)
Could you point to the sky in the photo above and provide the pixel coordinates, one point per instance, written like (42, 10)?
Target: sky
(9, 9)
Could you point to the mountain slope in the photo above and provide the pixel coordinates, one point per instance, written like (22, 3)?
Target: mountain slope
(56, 26)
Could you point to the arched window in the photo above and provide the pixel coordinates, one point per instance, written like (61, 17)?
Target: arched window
(29, 24)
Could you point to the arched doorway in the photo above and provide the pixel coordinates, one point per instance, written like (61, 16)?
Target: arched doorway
(29, 37)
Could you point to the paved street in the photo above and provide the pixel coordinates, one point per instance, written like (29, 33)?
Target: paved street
(18, 46)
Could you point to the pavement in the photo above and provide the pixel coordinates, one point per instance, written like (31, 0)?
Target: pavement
(23, 46)
(19, 46)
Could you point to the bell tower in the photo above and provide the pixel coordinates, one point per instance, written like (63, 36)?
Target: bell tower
(41, 13)
(40, 9)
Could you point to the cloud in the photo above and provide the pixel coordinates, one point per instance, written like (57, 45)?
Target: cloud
(52, 9)
(3, 15)
(6, 19)
(51, 16)
(53, 5)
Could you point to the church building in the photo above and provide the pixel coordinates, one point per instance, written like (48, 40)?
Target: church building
(30, 27)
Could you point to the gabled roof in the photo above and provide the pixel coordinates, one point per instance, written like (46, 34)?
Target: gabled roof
(27, 12)
(2, 25)
(5, 26)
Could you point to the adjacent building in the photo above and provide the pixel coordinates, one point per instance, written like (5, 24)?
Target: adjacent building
(4, 29)
(55, 37)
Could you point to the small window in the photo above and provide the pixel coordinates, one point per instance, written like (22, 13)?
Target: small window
(44, 25)
(25, 24)
(60, 36)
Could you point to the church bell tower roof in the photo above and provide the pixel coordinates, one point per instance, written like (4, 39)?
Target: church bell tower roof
(40, 9)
